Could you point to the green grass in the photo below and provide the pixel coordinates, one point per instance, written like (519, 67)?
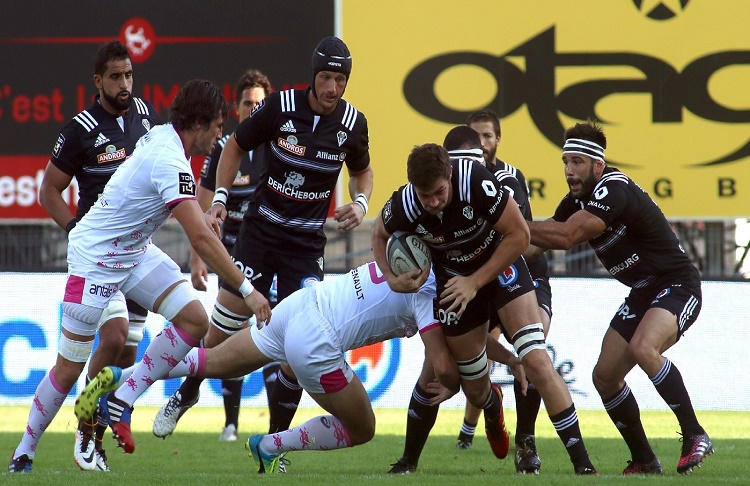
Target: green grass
(195, 456)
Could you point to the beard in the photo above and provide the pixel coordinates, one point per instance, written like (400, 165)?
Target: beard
(114, 101)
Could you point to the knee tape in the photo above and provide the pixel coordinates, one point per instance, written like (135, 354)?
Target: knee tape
(529, 338)
(474, 369)
(226, 320)
(115, 309)
(176, 300)
(135, 332)
(75, 351)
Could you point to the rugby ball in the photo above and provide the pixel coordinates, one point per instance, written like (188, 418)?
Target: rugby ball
(406, 252)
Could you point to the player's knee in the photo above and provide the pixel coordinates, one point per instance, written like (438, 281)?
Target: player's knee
(364, 432)
(113, 334)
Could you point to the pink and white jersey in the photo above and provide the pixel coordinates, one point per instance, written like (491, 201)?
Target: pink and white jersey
(136, 201)
(362, 308)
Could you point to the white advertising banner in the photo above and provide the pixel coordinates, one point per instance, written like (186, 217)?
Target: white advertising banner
(711, 352)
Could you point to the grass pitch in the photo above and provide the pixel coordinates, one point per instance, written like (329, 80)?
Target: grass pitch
(193, 455)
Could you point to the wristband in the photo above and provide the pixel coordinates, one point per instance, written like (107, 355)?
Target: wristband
(71, 224)
(220, 196)
(361, 199)
(246, 288)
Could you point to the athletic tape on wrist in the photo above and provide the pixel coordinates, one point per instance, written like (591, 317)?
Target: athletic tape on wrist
(246, 288)
(361, 199)
(220, 196)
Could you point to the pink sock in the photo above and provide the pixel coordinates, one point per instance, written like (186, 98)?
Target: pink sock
(164, 353)
(324, 432)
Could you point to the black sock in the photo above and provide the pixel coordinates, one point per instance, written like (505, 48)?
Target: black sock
(231, 390)
(668, 382)
(625, 414)
(283, 402)
(270, 373)
(527, 409)
(491, 409)
(190, 388)
(568, 429)
(419, 423)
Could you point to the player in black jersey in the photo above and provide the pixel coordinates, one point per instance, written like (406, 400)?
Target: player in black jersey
(634, 242)
(462, 213)
(252, 87)
(89, 148)
(526, 458)
(309, 136)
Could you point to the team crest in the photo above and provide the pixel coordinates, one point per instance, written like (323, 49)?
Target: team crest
(187, 185)
(341, 137)
(146, 124)
(469, 212)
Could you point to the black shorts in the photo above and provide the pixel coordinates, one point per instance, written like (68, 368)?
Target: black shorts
(136, 308)
(682, 301)
(514, 282)
(543, 297)
(259, 264)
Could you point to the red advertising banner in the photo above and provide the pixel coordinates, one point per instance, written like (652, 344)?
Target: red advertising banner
(48, 66)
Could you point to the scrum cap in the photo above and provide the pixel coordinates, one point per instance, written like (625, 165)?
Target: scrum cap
(331, 54)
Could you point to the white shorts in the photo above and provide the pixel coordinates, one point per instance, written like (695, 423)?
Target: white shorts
(94, 286)
(301, 337)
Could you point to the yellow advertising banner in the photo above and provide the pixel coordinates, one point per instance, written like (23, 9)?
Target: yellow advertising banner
(669, 80)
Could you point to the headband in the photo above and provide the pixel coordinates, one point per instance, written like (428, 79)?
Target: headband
(585, 147)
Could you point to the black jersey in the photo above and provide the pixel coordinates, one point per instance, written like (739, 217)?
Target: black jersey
(306, 152)
(93, 145)
(638, 247)
(538, 266)
(249, 175)
(463, 239)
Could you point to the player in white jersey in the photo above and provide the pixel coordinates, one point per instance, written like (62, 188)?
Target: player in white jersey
(110, 255)
(311, 331)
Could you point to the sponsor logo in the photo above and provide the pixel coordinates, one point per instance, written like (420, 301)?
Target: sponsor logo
(241, 180)
(102, 290)
(629, 262)
(294, 179)
(508, 277)
(111, 154)
(58, 145)
(457, 256)
(601, 192)
(341, 138)
(663, 293)
(290, 145)
(446, 318)
(288, 127)
(100, 140)
(459, 234)
(599, 205)
(139, 38)
(290, 188)
(489, 188)
(624, 312)
(326, 156)
(186, 184)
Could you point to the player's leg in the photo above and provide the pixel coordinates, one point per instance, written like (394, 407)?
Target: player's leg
(670, 315)
(286, 393)
(521, 318)
(471, 413)
(81, 314)
(420, 419)
(526, 458)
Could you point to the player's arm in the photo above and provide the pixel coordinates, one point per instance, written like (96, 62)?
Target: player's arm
(203, 239)
(579, 227)
(54, 182)
(405, 283)
(229, 164)
(446, 370)
(349, 216)
(198, 270)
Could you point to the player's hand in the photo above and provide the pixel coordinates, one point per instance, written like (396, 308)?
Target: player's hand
(516, 369)
(442, 393)
(198, 272)
(218, 211)
(260, 307)
(213, 224)
(349, 216)
(459, 291)
(409, 282)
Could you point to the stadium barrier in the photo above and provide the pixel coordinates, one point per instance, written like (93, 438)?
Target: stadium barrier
(711, 351)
